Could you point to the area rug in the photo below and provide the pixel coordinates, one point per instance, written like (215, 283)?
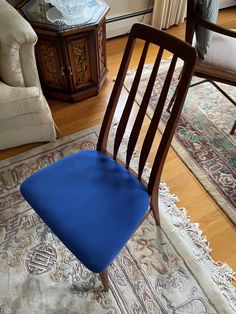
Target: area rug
(202, 139)
(161, 270)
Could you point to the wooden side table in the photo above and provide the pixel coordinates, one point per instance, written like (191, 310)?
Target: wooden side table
(71, 59)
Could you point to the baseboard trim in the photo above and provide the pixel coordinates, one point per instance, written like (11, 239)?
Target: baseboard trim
(122, 24)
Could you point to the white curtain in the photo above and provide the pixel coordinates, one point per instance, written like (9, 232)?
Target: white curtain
(168, 12)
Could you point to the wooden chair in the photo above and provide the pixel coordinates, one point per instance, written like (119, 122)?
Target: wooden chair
(218, 63)
(93, 201)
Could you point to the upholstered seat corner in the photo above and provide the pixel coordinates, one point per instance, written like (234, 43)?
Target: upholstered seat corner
(220, 59)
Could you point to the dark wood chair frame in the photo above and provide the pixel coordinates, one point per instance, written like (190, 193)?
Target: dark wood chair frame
(179, 49)
(192, 20)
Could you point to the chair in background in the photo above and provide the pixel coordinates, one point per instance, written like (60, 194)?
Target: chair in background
(25, 116)
(92, 200)
(216, 46)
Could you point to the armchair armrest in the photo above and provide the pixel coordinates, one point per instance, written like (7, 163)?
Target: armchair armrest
(212, 26)
(17, 40)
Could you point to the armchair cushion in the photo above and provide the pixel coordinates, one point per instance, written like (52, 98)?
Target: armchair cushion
(208, 10)
(221, 58)
(27, 128)
(19, 100)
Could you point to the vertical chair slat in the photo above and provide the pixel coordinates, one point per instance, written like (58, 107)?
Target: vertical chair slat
(129, 103)
(143, 108)
(168, 133)
(107, 120)
(147, 143)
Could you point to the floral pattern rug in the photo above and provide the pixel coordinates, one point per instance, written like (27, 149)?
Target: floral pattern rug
(165, 269)
(202, 138)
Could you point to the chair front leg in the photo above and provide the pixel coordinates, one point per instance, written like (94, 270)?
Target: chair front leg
(156, 216)
(233, 128)
(104, 278)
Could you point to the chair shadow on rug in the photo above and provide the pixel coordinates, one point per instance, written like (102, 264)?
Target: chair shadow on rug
(94, 201)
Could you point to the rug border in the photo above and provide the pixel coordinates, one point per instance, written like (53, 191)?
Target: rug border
(202, 178)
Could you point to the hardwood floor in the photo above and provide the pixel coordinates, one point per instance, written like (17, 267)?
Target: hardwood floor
(71, 118)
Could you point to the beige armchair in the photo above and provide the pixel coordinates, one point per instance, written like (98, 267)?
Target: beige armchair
(25, 116)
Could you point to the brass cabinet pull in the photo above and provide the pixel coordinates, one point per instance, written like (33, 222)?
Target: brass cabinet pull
(69, 69)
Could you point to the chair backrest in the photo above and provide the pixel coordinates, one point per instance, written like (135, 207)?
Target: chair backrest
(147, 36)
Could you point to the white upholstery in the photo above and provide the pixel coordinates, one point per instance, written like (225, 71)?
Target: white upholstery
(25, 116)
(221, 57)
(27, 128)
(18, 100)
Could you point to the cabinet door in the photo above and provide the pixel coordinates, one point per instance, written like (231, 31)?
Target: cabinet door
(50, 64)
(82, 61)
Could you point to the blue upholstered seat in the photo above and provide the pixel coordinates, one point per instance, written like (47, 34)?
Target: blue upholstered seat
(92, 203)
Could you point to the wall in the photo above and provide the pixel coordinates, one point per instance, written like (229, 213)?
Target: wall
(123, 13)
(227, 3)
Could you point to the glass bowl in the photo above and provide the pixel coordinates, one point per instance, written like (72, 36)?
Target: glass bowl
(70, 9)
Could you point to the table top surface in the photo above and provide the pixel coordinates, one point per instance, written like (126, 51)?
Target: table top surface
(44, 14)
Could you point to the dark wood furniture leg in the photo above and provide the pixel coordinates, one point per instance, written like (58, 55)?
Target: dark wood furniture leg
(104, 278)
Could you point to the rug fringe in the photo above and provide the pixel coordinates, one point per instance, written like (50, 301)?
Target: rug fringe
(221, 273)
